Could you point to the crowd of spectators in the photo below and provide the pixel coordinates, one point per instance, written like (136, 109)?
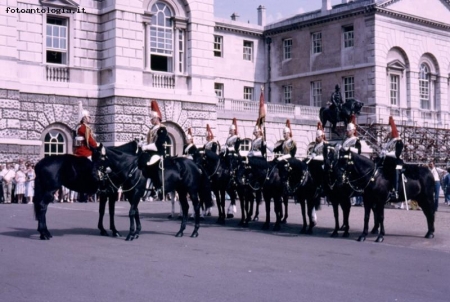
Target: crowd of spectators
(17, 182)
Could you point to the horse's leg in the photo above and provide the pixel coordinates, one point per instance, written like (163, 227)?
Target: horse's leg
(221, 207)
(242, 203)
(346, 205)
(335, 205)
(101, 210)
(278, 208)
(380, 211)
(376, 223)
(196, 204)
(112, 212)
(131, 215)
(285, 203)
(301, 200)
(137, 218)
(267, 199)
(172, 201)
(367, 208)
(428, 210)
(310, 202)
(185, 206)
(232, 207)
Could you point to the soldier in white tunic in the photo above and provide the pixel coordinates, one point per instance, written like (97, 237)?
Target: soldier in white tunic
(288, 148)
(316, 152)
(352, 142)
(211, 144)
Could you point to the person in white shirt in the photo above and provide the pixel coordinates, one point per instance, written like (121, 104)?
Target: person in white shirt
(7, 182)
(20, 178)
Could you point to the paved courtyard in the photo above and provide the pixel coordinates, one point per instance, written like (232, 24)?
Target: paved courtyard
(225, 263)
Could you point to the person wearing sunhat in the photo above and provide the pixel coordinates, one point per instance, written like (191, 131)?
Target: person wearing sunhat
(233, 141)
(157, 135)
(84, 139)
(316, 152)
(288, 148)
(351, 141)
(394, 148)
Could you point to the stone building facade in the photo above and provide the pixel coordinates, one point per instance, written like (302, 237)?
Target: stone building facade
(116, 58)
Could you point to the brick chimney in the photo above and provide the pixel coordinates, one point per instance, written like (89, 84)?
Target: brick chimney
(326, 6)
(261, 15)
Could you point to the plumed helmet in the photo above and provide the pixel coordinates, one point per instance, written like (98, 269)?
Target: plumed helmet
(233, 126)
(82, 112)
(288, 129)
(351, 126)
(189, 135)
(208, 131)
(155, 112)
(319, 133)
(394, 131)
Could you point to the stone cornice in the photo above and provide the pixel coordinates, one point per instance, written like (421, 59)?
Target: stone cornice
(411, 18)
(316, 21)
(238, 29)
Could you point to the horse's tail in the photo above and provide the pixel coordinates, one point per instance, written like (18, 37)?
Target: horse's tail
(205, 190)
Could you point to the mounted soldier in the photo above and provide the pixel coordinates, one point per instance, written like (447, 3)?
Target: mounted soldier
(336, 101)
(190, 149)
(157, 137)
(258, 147)
(211, 144)
(351, 141)
(85, 140)
(316, 152)
(233, 141)
(288, 148)
(394, 149)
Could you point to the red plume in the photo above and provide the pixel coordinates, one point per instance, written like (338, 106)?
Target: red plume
(235, 125)
(288, 124)
(208, 130)
(394, 131)
(155, 108)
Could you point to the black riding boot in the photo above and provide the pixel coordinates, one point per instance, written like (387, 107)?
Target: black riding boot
(394, 193)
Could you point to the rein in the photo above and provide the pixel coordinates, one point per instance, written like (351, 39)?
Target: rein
(131, 172)
(347, 180)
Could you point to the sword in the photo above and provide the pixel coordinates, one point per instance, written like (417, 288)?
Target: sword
(162, 172)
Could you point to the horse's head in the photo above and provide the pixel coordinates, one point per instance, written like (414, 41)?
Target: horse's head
(356, 106)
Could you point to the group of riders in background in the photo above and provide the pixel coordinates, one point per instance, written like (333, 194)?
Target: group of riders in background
(157, 138)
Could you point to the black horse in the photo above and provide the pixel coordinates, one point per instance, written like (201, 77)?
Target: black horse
(304, 180)
(122, 175)
(263, 175)
(351, 106)
(221, 170)
(361, 173)
(337, 192)
(74, 172)
(183, 176)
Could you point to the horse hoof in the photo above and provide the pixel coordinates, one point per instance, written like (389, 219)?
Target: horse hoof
(380, 239)
(230, 216)
(284, 221)
(170, 216)
(361, 238)
(345, 235)
(429, 236)
(179, 234)
(194, 235)
(276, 228)
(116, 234)
(104, 233)
(334, 234)
(128, 238)
(42, 237)
(256, 218)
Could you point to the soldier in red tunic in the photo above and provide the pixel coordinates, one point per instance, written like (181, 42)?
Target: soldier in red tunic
(84, 139)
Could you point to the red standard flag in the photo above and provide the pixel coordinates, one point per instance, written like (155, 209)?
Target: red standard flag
(262, 110)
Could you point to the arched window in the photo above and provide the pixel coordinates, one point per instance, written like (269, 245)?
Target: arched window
(424, 86)
(170, 150)
(54, 143)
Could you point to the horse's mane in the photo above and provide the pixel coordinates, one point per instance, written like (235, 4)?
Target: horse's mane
(257, 162)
